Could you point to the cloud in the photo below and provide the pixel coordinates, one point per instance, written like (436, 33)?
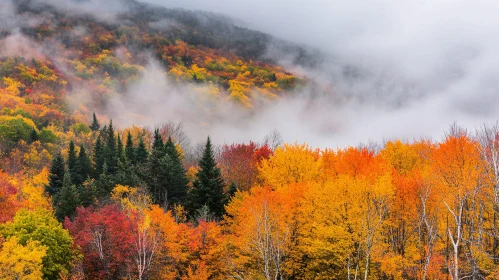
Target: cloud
(388, 69)
(402, 68)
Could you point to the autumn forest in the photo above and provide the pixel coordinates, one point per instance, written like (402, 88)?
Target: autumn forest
(85, 194)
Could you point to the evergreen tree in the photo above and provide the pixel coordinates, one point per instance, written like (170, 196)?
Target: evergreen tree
(66, 200)
(120, 151)
(142, 154)
(111, 151)
(95, 124)
(126, 174)
(33, 137)
(99, 157)
(72, 159)
(83, 168)
(130, 149)
(208, 186)
(105, 184)
(177, 182)
(56, 175)
(158, 144)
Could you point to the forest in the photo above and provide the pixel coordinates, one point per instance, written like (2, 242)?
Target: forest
(82, 197)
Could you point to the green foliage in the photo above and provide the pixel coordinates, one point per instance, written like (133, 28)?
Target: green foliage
(40, 225)
(56, 175)
(208, 188)
(47, 136)
(66, 200)
(13, 129)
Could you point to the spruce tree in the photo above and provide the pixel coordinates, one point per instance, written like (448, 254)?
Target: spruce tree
(142, 154)
(130, 149)
(120, 151)
(177, 182)
(66, 200)
(95, 124)
(158, 144)
(83, 169)
(208, 188)
(156, 176)
(99, 157)
(111, 151)
(72, 159)
(56, 176)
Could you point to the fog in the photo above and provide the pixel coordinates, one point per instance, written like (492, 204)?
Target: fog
(396, 69)
(423, 64)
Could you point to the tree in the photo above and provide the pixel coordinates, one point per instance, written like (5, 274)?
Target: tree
(56, 175)
(120, 151)
(99, 157)
(40, 225)
(66, 200)
(72, 159)
(83, 167)
(208, 188)
(130, 149)
(18, 262)
(105, 238)
(111, 150)
(95, 124)
(142, 154)
(177, 182)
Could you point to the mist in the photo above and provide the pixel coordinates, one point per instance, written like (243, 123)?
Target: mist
(389, 69)
(420, 65)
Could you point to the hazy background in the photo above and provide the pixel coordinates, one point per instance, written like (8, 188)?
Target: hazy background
(391, 69)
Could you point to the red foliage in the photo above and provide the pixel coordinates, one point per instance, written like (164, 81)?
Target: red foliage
(105, 239)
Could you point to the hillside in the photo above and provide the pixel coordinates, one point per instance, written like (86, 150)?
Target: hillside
(102, 106)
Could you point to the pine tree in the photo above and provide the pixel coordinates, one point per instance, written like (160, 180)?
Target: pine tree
(66, 200)
(208, 186)
(95, 124)
(83, 169)
(99, 157)
(111, 151)
(177, 182)
(142, 154)
(56, 175)
(72, 159)
(130, 149)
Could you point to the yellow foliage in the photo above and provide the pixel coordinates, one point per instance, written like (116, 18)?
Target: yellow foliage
(290, 164)
(18, 262)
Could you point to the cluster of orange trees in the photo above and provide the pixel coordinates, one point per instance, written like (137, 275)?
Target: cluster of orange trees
(418, 210)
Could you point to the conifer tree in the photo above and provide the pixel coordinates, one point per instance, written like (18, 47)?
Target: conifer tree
(95, 124)
(130, 149)
(142, 154)
(120, 151)
(56, 176)
(158, 144)
(72, 158)
(83, 167)
(66, 200)
(111, 150)
(208, 188)
(99, 157)
(177, 182)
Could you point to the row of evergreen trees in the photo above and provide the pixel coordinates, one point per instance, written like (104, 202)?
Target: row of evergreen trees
(83, 180)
